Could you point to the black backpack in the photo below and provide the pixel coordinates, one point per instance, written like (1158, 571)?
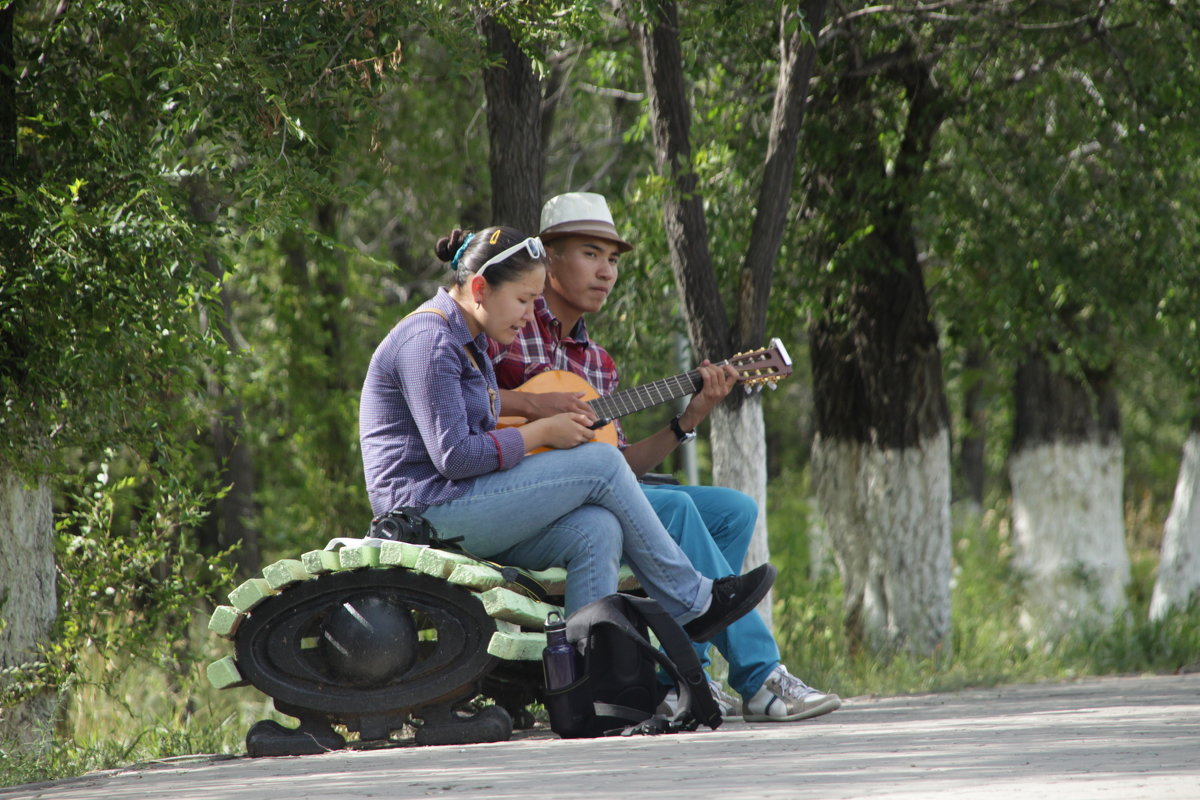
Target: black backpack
(617, 691)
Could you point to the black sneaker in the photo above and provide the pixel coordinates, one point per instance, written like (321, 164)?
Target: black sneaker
(732, 598)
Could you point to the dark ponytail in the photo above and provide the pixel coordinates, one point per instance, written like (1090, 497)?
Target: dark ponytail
(466, 252)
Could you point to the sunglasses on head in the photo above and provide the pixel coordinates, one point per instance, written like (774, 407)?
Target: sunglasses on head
(533, 246)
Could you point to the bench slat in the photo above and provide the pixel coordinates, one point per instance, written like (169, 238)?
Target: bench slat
(285, 573)
(511, 606)
(318, 562)
(224, 674)
(400, 554)
(517, 646)
(476, 576)
(250, 593)
(440, 563)
(359, 557)
(224, 621)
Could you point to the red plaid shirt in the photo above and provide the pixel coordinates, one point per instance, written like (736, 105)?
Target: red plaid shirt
(541, 346)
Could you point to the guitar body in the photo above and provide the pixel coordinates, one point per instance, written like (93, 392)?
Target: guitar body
(755, 368)
(560, 380)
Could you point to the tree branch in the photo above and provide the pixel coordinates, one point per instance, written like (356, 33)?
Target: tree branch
(797, 56)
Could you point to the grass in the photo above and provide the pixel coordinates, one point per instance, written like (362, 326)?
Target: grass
(121, 712)
(988, 645)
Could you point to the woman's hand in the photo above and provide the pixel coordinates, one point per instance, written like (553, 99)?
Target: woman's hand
(547, 404)
(561, 431)
(539, 405)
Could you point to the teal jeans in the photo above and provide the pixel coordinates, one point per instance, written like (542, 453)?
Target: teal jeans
(713, 526)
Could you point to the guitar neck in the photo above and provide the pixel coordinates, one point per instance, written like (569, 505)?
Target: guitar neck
(656, 393)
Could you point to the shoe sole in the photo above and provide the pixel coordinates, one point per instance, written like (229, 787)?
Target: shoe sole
(832, 703)
(744, 607)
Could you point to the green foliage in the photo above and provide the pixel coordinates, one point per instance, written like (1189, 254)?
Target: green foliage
(157, 144)
(128, 570)
(1056, 198)
(282, 174)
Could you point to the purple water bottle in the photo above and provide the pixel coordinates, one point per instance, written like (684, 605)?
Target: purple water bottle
(558, 658)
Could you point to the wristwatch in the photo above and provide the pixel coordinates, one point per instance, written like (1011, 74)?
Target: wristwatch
(680, 434)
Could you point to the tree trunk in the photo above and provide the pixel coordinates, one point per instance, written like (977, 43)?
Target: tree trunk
(28, 596)
(881, 455)
(231, 521)
(514, 100)
(8, 92)
(28, 599)
(739, 454)
(881, 462)
(740, 462)
(972, 446)
(1179, 566)
(1068, 518)
(683, 204)
(797, 54)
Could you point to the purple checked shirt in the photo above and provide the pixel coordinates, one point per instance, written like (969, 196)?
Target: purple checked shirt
(426, 419)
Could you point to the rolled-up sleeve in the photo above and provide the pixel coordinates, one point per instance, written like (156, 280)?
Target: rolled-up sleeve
(510, 444)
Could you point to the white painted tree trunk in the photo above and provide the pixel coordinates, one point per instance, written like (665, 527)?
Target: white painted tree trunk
(1069, 535)
(28, 599)
(1179, 565)
(739, 457)
(888, 516)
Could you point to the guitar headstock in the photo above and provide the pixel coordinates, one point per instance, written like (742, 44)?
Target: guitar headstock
(765, 367)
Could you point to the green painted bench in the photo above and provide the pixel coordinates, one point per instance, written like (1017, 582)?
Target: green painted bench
(376, 637)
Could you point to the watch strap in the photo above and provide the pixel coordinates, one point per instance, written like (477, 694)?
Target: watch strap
(680, 434)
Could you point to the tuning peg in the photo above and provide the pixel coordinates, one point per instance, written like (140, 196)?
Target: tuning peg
(773, 384)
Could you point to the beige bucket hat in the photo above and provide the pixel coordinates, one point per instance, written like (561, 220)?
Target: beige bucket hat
(576, 213)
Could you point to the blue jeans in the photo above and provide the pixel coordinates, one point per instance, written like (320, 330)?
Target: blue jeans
(713, 526)
(581, 509)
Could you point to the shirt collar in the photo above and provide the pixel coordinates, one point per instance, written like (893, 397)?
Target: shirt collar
(549, 321)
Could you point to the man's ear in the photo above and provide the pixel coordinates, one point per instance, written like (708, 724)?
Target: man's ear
(553, 257)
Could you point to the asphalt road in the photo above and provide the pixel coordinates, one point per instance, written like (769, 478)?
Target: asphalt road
(1122, 738)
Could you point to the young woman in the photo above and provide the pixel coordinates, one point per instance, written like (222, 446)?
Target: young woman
(427, 423)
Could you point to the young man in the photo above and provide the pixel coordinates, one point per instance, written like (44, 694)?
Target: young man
(712, 525)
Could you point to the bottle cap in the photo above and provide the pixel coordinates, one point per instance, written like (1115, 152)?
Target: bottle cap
(554, 621)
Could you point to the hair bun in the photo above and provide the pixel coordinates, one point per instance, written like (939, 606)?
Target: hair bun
(447, 246)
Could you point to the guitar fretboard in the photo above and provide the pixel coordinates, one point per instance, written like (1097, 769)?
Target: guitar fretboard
(628, 401)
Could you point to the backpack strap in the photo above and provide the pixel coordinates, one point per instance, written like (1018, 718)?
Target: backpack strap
(682, 663)
(696, 703)
(493, 398)
(430, 310)
(620, 712)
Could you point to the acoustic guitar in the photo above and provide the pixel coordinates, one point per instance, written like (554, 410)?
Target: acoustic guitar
(756, 369)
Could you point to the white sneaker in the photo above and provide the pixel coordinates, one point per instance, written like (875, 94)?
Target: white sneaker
(731, 707)
(785, 698)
